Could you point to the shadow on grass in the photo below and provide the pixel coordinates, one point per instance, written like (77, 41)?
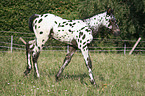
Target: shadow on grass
(73, 77)
(80, 77)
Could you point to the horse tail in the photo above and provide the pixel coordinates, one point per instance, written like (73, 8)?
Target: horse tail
(31, 19)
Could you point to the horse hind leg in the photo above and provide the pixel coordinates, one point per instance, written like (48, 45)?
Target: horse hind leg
(36, 52)
(66, 61)
(29, 47)
(35, 56)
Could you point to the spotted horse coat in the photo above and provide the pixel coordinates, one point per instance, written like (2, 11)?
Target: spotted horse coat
(76, 33)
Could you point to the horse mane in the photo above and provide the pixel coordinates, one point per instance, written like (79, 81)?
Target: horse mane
(91, 15)
(86, 17)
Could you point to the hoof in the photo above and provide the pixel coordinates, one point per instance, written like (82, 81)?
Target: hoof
(26, 72)
(37, 76)
(93, 82)
(56, 78)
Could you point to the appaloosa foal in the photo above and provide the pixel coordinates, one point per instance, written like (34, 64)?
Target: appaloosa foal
(76, 33)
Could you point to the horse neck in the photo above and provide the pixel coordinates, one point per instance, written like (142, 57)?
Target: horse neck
(96, 22)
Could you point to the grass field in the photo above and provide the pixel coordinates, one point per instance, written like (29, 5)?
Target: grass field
(115, 74)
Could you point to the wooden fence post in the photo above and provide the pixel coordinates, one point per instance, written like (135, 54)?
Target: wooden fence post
(124, 48)
(134, 46)
(11, 43)
(23, 40)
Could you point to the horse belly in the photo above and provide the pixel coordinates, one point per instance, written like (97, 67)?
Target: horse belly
(63, 36)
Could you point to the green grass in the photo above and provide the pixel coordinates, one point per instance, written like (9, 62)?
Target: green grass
(115, 74)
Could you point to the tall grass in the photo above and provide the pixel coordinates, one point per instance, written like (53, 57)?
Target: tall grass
(115, 74)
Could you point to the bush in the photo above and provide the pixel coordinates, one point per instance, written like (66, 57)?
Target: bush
(129, 14)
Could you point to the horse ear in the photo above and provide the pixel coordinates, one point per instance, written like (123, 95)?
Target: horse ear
(109, 11)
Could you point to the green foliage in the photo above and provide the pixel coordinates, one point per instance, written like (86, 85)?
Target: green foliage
(15, 13)
(115, 74)
(129, 14)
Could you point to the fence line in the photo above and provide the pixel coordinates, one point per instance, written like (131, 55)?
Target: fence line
(65, 47)
(34, 37)
(89, 48)
(15, 32)
(18, 45)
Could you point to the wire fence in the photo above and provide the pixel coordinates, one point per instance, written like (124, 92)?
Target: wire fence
(10, 41)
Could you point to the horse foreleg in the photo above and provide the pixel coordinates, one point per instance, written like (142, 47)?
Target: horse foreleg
(28, 54)
(66, 60)
(88, 63)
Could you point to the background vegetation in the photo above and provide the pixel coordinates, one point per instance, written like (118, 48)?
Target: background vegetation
(129, 14)
(115, 74)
